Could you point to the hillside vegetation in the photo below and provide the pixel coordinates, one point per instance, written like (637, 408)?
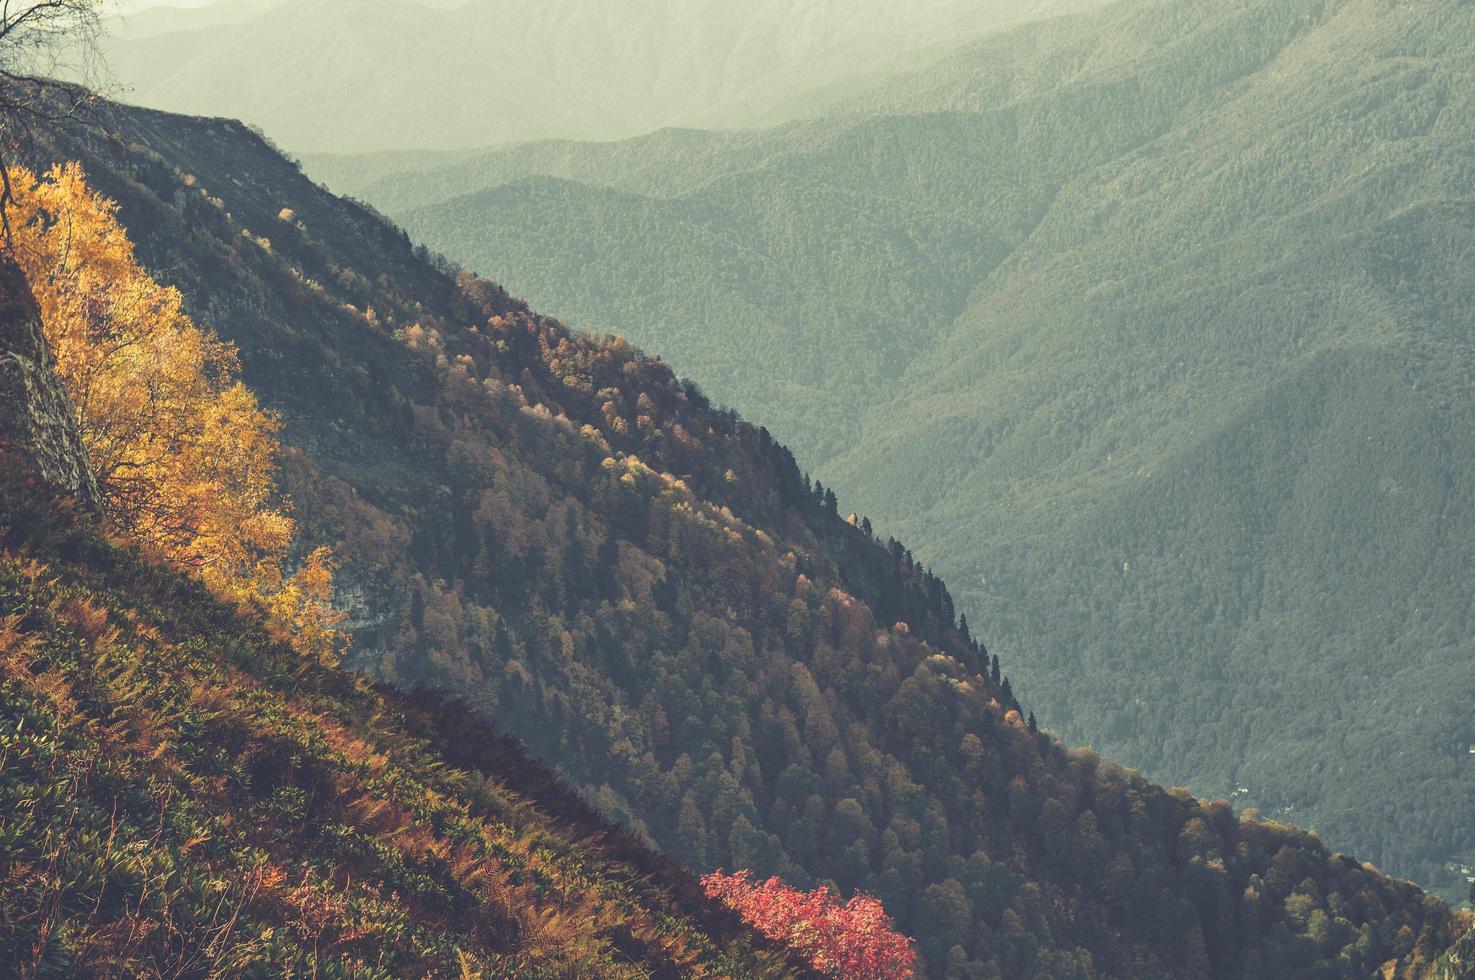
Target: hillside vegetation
(181, 796)
(1149, 329)
(648, 591)
(189, 788)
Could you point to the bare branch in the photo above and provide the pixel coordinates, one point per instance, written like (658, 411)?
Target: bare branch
(40, 42)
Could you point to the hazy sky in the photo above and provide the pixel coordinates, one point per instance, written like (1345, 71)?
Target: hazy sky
(133, 6)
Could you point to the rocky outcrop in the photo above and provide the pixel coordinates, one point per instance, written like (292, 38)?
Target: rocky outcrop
(37, 419)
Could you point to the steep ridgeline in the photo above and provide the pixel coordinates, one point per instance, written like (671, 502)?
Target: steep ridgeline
(1150, 330)
(645, 589)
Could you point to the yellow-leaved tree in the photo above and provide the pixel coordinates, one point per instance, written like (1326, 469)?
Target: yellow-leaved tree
(184, 455)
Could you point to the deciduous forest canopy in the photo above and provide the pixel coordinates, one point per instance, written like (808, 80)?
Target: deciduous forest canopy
(1147, 327)
(648, 591)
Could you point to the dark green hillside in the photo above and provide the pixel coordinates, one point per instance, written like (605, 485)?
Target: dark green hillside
(1149, 329)
(648, 592)
(880, 225)
(839, 274)
(796, 299)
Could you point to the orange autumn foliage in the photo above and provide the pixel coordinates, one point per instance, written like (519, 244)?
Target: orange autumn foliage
(303, 603)
(184, 454)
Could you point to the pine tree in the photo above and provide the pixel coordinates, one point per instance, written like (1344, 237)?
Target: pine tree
(417, 609)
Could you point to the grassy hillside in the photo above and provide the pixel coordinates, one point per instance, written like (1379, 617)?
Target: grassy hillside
(648, 592)
(1150, 329)
(328, 75)
(184, 797)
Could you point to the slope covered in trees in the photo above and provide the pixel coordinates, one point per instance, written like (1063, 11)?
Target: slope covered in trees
(1150, 329)
(182, 796)
(329, 75)
(189, 786)
(183, 455)
(647, 591)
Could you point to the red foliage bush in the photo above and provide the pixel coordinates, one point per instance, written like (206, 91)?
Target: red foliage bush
(855, 940)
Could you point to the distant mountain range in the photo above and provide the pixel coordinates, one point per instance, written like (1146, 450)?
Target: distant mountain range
(573, 541)
(1149, 328)
(335, 75)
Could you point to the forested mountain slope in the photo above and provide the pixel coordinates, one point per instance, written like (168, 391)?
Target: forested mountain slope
(184, 797)
(183, 793)
(1150, 329)
(336, 75)
(646, 590)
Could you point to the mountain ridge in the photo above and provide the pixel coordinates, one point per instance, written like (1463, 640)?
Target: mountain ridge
(577, 68)
(1211, 208)
(651, 593)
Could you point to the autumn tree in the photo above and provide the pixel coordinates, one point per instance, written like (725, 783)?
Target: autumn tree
(854, 940)
(184, 455)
